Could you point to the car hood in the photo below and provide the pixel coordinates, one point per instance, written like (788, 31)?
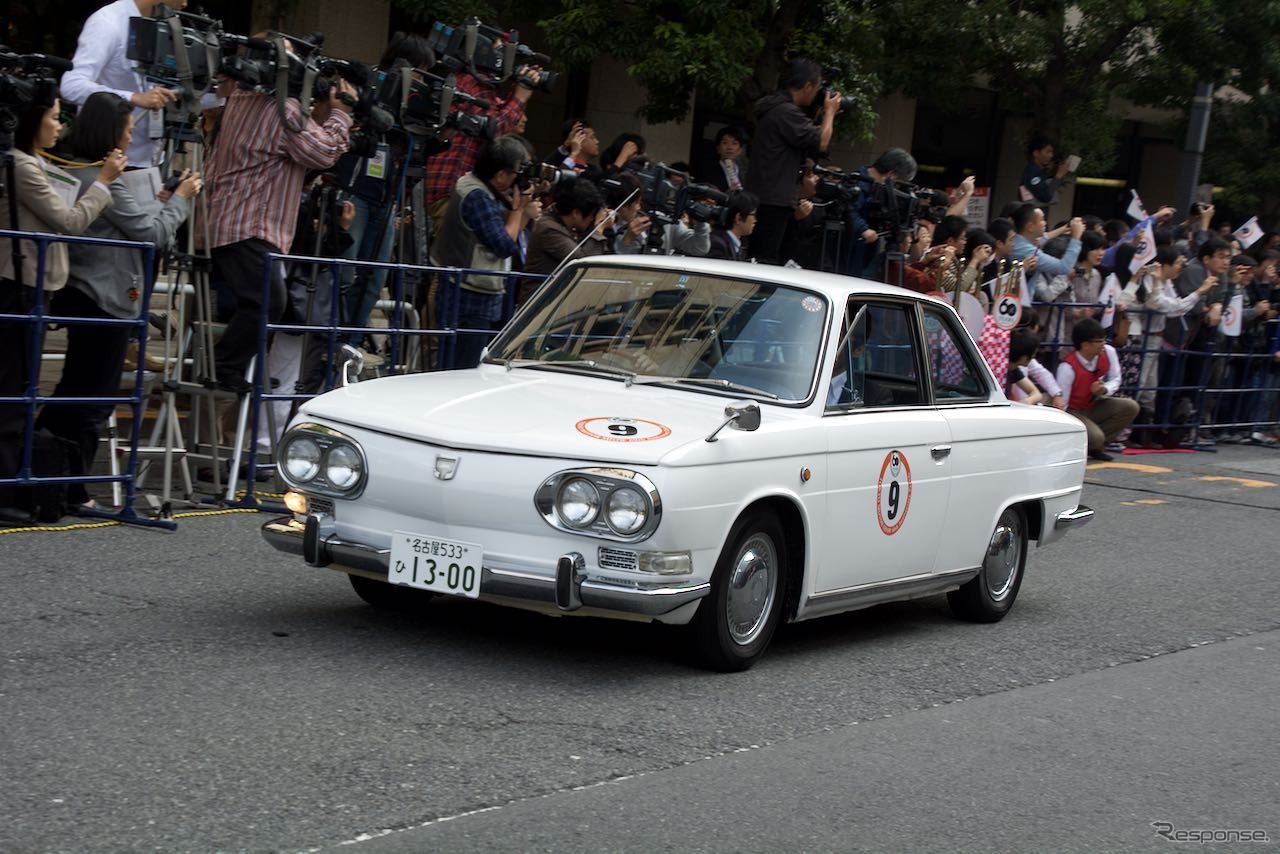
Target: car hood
(545, 413)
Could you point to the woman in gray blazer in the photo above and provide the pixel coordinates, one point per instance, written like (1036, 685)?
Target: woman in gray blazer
(105, 281)
(39, 209)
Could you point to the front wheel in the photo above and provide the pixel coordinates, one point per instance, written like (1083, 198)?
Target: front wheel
(737, 619)
(387, 596)
(989, 596)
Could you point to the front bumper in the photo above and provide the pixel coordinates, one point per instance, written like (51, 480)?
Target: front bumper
(1081, 515)
(317, 544)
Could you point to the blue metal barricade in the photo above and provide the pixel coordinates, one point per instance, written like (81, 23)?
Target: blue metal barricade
(35, 320)
(445, 334)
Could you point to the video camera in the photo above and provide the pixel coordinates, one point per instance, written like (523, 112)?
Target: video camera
(151, 47)
(892, 207)
(25, 79)
(667, 194)
(488, 53)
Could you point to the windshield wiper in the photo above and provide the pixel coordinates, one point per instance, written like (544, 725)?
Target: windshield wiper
(712, 382)
(590, 364)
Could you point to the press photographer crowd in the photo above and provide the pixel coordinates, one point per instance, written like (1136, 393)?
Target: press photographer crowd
(1156, 330)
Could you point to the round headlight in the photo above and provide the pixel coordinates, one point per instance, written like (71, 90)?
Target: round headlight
(302, 459)
(578, 502)
(626, 510)
(343, 467)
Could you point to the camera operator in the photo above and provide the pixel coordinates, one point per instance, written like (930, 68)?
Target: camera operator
(255, 178)
(863, 248)
(445, 168)
(374, 189)
(100, 65)
(631, 223)
(727, 240)
(785, 135)
(480, 231)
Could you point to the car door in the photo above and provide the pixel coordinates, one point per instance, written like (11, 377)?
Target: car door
(886, 493)
(987, 453)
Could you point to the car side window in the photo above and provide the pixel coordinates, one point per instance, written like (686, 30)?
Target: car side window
(952, 369)
(875, 363)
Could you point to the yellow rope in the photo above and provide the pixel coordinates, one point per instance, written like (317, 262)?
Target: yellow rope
(113, 523)
(74, 164)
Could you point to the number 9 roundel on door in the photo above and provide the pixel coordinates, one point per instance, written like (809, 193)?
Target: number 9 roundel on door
(893, 492)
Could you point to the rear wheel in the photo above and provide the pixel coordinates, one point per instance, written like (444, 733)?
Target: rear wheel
(737, 619)
(388, 596)
(989, 596)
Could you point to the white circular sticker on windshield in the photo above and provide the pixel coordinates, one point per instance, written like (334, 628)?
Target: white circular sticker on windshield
(811, 304)
(893, 492)
(622, 429)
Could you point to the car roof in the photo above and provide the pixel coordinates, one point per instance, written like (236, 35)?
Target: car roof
(837, 287)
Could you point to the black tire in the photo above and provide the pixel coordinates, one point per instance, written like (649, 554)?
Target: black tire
(389, 597)
(991, 593)
(755, 556)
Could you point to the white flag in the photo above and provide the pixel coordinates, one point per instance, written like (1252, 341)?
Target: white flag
(1248, 233)
(1146, 249)
(1232, 316)
(1110, 292)
(1136, 210)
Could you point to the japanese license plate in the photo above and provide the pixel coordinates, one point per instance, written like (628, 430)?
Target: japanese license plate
(430, 563)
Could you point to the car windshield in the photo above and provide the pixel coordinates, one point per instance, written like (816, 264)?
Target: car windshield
(654, 326)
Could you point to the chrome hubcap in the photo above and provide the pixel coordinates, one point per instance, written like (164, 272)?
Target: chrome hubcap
(753, 583)
(1000, 568)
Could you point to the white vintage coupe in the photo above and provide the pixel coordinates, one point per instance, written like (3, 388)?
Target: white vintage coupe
(695, 442)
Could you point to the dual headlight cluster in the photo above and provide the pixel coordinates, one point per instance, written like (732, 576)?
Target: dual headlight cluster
(323, 460)
(614, 503)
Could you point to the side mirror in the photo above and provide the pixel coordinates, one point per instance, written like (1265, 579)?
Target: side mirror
(352, 364)
(741, 415)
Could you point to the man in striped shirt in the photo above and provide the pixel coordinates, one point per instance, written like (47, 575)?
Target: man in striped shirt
(254, 181)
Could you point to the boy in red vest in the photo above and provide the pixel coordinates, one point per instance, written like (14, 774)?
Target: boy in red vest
(1089, 376)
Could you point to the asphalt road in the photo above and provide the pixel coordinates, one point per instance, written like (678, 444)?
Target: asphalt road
(196, 691)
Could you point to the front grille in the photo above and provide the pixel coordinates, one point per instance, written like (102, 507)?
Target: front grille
(619, 559)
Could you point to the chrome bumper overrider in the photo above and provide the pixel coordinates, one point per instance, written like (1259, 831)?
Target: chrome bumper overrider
(1073, 518)
(569, 590)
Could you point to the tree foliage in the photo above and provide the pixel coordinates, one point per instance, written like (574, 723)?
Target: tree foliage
(1059, 63)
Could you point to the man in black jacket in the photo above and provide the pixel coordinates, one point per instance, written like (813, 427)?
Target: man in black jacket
(726, 242)
(785, 135)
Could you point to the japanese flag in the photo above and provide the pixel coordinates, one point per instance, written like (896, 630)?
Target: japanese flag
(1248, 233)
(1146, 249)
(1232, 315)
(1135, 209)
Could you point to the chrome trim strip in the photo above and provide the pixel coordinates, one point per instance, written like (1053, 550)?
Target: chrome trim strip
(877, 592)
(1073, 518)
(286, 534)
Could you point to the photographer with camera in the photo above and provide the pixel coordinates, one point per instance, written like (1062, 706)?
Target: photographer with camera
(100, 65)
(740, 221)
(482, 224)
(573, 228)
(444, 169)
(785, 136)
(255, 175)
(40, 209)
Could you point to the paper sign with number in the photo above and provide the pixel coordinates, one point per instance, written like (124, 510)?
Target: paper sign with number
(1007, 311)
(1232, 316)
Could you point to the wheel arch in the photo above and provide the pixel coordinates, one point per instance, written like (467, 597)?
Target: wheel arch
(791, 519)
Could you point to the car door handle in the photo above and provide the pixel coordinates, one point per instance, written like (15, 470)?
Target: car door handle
(940, 452)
